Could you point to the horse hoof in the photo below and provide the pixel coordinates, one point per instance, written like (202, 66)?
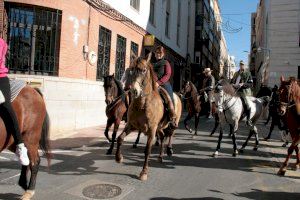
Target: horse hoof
(134, 146)
(266, 139)
(160, 159)
(297, 166)
(27, 195)
(241, 150)
(284, 145)
(281, 172)
(170, 151)
(143, 176)
(255, 148)
(215, 154)
(235, 153)
(109, 152)
(119, 159)
(211, 134)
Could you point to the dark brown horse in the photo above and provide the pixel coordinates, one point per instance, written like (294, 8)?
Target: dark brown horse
(146, 111)
(34, 125)
(190, 95)
(289, 97)
(194, 101)
(117, 104)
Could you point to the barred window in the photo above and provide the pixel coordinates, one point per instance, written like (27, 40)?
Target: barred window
(104, 46)
(135, 49)
(152, 12)
(120, 57)
(135, 4)
(34, 39)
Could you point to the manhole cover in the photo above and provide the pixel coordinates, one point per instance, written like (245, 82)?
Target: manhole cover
(101, 191)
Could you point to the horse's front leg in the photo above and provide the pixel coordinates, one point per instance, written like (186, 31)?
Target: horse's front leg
(161, 153)
(251, 132)
(216, 153)
(116, 128)
(283, 168)
(109, 123)
(233, 130)
(188, 117)
(297, 165)
(144, 172)
(127, 130)
(256, 138)
(137, 140)
(197, 118)
(216, 125)
(170, 147)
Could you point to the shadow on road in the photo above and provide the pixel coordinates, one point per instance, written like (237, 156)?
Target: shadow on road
(200, 198)
(9, 196)
(271, 195)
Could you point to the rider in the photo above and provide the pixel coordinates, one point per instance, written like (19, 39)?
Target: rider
(242, 82)
(163, 71)
(21, 150)
(208, 85)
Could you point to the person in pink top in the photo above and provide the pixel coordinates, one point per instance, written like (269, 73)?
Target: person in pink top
(7, 110)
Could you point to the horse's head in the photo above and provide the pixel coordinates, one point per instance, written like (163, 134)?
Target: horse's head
(283, 93)
(187, 88)
(140, 78)
(110, 89)
(223, 91)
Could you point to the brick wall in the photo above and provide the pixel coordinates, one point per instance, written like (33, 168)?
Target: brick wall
(80, 26)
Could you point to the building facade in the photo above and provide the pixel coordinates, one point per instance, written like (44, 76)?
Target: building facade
(207, 38)
(276, 50)
(66, 48)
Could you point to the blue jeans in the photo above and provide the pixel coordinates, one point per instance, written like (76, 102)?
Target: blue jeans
(167, 86)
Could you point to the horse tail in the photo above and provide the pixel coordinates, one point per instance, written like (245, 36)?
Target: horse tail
(45, 140)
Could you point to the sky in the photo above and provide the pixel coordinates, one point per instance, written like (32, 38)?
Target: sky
(236, 16)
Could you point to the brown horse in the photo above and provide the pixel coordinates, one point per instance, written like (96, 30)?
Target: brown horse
(34, 125)
(289, 97)
(146, 111)
(193, 99)
(117, 104)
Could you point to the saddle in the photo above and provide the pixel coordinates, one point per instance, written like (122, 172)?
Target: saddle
(15, 87)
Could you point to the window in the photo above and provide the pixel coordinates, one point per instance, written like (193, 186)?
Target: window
(104, 46)
(178, 23)
(135, 4)
(134, 49)
(167, 28)
(152, 12)
(33, 38)
(120, 57)
(298, 72)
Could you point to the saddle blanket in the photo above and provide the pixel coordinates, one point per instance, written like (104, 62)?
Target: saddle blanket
(15, 88)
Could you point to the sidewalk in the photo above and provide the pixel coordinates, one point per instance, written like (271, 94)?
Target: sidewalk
(85, 137)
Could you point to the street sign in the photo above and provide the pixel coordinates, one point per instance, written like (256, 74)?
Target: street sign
(149, 40)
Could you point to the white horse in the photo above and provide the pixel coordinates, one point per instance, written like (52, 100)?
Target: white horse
(230, 110)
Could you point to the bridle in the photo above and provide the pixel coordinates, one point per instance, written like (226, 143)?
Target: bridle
(288, 104)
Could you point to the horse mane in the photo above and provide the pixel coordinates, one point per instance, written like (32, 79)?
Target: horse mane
(295, 91)
(194, 92)
(227, 88)
(119, 86)
(153, 76)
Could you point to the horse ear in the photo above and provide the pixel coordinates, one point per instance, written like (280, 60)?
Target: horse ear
(149, 56)
(281, 78)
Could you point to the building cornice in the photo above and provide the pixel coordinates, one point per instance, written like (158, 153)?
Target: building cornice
(112, 13)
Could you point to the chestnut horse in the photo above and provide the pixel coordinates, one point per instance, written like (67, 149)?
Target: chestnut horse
(33, 121)
(146, 111)
(289, 97)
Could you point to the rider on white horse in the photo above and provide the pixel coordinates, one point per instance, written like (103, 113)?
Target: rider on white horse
(242, 82)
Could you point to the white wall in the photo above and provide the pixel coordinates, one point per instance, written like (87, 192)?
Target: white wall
(141, 18)
(71, 103)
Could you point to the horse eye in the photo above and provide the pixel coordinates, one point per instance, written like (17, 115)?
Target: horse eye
(130, 72)
(144, 71)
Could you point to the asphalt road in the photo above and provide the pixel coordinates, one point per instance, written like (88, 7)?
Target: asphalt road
(190, 174)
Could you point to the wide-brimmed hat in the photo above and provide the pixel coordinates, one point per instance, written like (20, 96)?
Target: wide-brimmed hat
(242, 62)
(206, 70)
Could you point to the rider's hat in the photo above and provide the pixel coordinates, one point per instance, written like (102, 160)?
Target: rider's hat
(206, 70)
